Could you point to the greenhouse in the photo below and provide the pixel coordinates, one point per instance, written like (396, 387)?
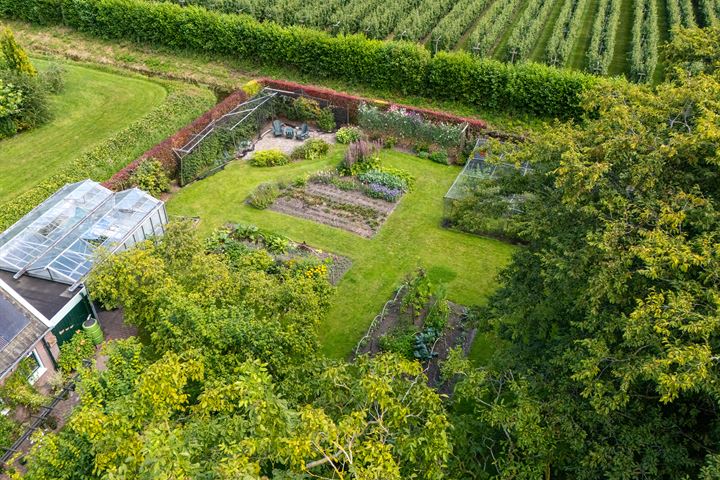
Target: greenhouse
(58, 239)
(478, 169)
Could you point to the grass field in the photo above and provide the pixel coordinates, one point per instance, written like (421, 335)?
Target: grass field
(94, 105)
(411, 237)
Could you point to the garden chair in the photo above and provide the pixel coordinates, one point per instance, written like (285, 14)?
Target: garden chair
(277, 128)
(303, 132)
(289, 132)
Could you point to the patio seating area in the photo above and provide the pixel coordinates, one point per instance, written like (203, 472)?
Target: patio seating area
(269, 140)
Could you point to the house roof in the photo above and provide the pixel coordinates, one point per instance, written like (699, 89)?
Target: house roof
(46, 296)
(21, 327)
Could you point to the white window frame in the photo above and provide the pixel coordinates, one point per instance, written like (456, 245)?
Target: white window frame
(39, 371)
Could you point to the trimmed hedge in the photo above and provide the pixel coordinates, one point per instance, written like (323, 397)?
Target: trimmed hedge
(391, 65)
(163, 151)
(99, 163)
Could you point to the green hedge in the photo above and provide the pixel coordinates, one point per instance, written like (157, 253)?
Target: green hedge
(403, 67)
(180, 107)
(37, 11)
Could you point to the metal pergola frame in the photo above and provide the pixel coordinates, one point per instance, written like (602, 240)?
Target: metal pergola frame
(244, 109)
(478, 168)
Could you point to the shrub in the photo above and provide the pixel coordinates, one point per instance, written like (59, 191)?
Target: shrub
(72, 353)
(13, 56)
(34, 109)
(310, 150)
(326, 120)
(7, 126)
(360, 157)
(300, 181)
(400, 341)
(54, 78)
(402, 174)
(348, 135)
(151, 177)
(439, 156)
(246, 232)
(252, 88)
(17, 391)
(276, 244)
(384, 178)
(11, 99)
(269, 158)
(264, 195)
(418, 293)
(306, 109)
(8, 430)
(439, 313)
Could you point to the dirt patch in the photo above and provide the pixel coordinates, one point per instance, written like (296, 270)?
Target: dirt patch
(349, 210)
(352, 197)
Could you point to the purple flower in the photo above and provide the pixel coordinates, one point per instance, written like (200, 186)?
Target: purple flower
(376, 190)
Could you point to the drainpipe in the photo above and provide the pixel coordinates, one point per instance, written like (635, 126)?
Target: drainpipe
(50, 353)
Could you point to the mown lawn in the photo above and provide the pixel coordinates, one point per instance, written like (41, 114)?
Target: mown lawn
(412, 237)
(94, 105)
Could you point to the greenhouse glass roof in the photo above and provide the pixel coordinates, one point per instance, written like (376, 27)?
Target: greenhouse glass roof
(58, 238)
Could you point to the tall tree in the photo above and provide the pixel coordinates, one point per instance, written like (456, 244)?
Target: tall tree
(613, 309)
(228, 384)
(14, 55)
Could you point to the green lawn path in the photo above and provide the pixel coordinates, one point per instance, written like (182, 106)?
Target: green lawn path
(411, 237)
(578, 57)
(93, 106)
(623, 40)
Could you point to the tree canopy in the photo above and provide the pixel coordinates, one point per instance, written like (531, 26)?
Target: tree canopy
(609, 316)
(612, 309)
(227, 384)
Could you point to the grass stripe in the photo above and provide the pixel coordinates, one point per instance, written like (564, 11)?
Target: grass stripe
(623, 40)
(578, 58)
(538, 53)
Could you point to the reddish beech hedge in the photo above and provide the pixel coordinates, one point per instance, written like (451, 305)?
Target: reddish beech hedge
(163, 151)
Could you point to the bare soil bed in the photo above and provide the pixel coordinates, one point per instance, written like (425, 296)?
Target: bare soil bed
(350, 210)
(457, 333)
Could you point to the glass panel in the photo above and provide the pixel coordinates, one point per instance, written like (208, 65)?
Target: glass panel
(59, 238)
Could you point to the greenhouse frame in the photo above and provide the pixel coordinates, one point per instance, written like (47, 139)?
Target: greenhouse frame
(58, 239)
